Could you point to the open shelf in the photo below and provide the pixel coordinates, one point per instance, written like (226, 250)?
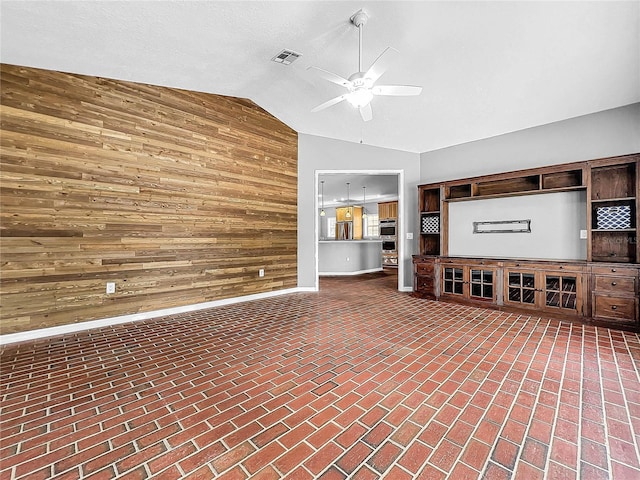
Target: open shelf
(459, 191)
(613, 213)
(430, 220)
(613, 181)
(614, 200)
(430, 244)
(613, 246)
(563, 180)
(507, 185)
(430, 200)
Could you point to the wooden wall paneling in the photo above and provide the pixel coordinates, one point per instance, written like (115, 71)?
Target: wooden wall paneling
(179, 197)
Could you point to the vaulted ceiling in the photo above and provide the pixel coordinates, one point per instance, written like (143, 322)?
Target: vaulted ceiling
(487, 67)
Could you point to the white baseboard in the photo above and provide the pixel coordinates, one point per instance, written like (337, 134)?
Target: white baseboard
(306, 289)
(106, 322)
(357, 272)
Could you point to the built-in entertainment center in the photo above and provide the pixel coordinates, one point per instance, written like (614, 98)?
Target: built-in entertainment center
(558, 240)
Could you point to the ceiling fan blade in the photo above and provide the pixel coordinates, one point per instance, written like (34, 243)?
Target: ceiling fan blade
(330, 103)
(381, 64)
(332, 77)
(398, 90)
(366, 113)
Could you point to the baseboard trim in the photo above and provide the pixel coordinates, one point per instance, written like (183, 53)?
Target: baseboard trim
(107, 322)
(357, 272)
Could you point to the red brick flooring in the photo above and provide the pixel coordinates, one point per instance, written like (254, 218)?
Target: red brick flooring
(356, 381)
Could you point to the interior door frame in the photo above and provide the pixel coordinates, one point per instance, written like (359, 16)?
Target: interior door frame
(400, 233)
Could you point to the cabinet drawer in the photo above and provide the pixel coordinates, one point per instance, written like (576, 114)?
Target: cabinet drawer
(424, 284)
(614, 270)
(613, 284)
(566, 268)
(424, 268)
(555, 269)
(617, 308)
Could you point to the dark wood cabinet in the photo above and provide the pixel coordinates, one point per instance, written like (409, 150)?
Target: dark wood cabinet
(431, 228)
(614, 293)
(613, 210)
(603, 288)
(424, 278)
(606, 294)
(470, 281)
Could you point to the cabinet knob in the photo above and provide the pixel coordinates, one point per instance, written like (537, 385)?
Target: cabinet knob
(613, 269)
(561, 267)
(517, 264)
(614, 283)
(614, 307)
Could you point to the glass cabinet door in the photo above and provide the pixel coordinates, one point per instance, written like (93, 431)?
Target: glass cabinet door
(561, 291)
(453, 280)
(521, 287)
(481, 282)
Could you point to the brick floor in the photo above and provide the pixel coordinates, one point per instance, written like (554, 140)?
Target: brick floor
(355, 381)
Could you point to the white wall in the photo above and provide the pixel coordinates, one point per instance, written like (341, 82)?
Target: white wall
(318, 153)
(603, 134)
(349, 257)
(556, 221)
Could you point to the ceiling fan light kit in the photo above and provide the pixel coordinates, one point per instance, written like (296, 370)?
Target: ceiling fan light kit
(361, 85)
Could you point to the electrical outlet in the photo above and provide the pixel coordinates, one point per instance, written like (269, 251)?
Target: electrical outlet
(347, 259)
(261, 272)
(409, 235)
(111, 288)
(583, 234)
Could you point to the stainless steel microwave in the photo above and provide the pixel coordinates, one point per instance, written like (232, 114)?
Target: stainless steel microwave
(388, 228)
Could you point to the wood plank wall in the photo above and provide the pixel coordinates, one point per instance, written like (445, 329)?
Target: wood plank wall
(179, 197)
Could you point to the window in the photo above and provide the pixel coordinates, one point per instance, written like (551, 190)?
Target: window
(371, 225)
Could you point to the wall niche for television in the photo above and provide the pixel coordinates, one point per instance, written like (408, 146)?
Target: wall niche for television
(556, 220)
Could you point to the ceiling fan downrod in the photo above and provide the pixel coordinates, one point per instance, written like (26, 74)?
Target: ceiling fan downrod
(359, 19)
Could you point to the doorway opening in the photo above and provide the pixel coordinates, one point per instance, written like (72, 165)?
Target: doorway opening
(337, 252)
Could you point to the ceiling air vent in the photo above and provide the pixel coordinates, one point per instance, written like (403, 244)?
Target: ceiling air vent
(286, 57)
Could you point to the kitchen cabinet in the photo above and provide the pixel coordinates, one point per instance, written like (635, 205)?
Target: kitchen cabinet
(388, 210)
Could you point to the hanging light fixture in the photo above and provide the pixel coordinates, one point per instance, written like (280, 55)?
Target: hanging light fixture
(348, 214)
(364, 200)
(322, 212)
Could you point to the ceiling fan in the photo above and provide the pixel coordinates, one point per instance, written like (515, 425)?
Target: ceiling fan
(361, 85)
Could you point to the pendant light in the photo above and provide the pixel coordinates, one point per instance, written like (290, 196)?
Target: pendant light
(322, 212)
(348, 214)
(364, 200)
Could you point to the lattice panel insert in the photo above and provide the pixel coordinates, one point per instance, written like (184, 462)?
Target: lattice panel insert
(430, 224)
(613, 218)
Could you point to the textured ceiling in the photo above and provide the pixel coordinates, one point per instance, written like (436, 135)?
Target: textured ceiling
(487, 67)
